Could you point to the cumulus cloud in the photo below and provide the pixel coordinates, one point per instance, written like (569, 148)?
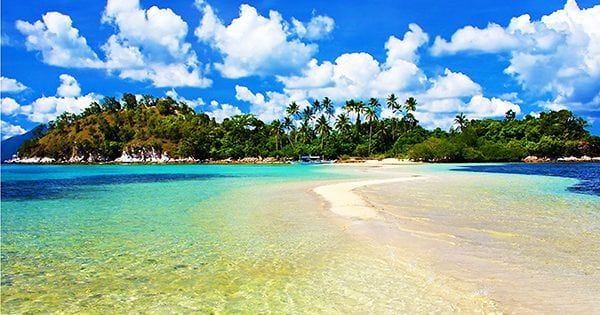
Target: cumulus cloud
(194, 103)
(356, 75)
(360, 76)
(10, 107)
(253, 44)
(69, 87)
(10, 130)
(266, 108)
(406, 48)
(452, 85)
(493, 38)
(221, 111)
(8, 85)
(318, 27)
(150, 45)
(68, 98)
(558, 55)
(58, 41)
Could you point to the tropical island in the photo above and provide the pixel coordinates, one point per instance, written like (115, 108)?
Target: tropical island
(162, 129)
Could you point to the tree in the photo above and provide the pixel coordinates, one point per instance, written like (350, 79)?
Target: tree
(410, 104)
(327, 105)
(461, 121)
(355, 107)
(371, 115)
(323, 129)
(293, 110)
(510, 115)
(342, 123)
(276, 131)
(392, 104)
(130, 101)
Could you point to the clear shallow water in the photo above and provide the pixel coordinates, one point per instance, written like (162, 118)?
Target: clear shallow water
(189, 238)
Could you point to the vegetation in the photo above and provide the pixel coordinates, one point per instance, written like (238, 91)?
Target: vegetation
(104, 130)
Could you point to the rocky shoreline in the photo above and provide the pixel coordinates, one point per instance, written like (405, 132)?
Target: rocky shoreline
(165, 159)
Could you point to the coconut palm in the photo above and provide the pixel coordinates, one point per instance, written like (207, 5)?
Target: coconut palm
(371, 115)
(323, 129)
(410, 104)
(392, 104)
(355, 107)
(293, 110)
(327, 105)
(461, 121)
(307, 114)
(276, 131)
(288, 126)
(342, 123)
(316, 106)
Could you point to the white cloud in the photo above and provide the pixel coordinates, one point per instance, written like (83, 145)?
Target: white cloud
(58, 41)
(10, 106)
(150, 45)
(253, 44)
(68, 86)
(10, 130)
(46, 108)
(221, 111)
(318, 27)
(8, 85)
(557, 56)
(265, 108)
(359, 75)
(493, 38)
(406, 49)
(452, 85)
(194, 103)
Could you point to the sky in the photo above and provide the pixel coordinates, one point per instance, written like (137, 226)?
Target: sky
(480, 58)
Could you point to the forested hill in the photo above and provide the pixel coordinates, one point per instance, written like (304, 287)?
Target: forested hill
(103, 131)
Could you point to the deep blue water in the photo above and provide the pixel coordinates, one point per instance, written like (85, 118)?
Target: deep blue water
(587, 173)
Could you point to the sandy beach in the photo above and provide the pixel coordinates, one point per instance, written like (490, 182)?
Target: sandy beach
(480, 237)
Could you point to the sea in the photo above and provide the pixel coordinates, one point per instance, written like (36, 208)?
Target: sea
(212, 239)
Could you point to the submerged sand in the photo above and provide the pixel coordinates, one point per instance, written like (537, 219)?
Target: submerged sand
(516, 240)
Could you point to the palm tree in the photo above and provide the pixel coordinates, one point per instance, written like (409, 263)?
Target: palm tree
(316, 106)
(323, 129)
(342, 123)
(356, 107)
(293, 110)
(276, 130)
(371, 115)
(410, 104)
(461, 121)
(307, 114)
(392, 104)
(327, 105)
(288, 125)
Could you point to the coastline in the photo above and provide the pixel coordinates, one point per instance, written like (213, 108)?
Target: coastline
(434, 221)
(274, 161)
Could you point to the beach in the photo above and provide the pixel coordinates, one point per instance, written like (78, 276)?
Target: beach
(364, 238)
(472, 228)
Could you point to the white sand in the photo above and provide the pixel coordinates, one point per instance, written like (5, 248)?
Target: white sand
(343, 201)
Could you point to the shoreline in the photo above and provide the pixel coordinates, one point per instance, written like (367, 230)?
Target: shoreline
(277, 161)
(345, 202)
(453, 239)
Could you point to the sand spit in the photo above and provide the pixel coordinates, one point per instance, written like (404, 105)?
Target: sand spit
(343, 201)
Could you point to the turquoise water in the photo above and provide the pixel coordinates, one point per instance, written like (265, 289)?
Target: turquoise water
(211, 238)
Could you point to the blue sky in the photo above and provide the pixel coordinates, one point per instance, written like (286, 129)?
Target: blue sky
(226, 57)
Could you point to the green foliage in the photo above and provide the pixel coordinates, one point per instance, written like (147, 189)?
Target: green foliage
(163, 125)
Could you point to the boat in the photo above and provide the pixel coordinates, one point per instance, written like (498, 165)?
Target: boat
(313, 159)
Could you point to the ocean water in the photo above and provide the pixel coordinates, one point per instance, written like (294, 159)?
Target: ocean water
(587, 174)
(209, 238)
